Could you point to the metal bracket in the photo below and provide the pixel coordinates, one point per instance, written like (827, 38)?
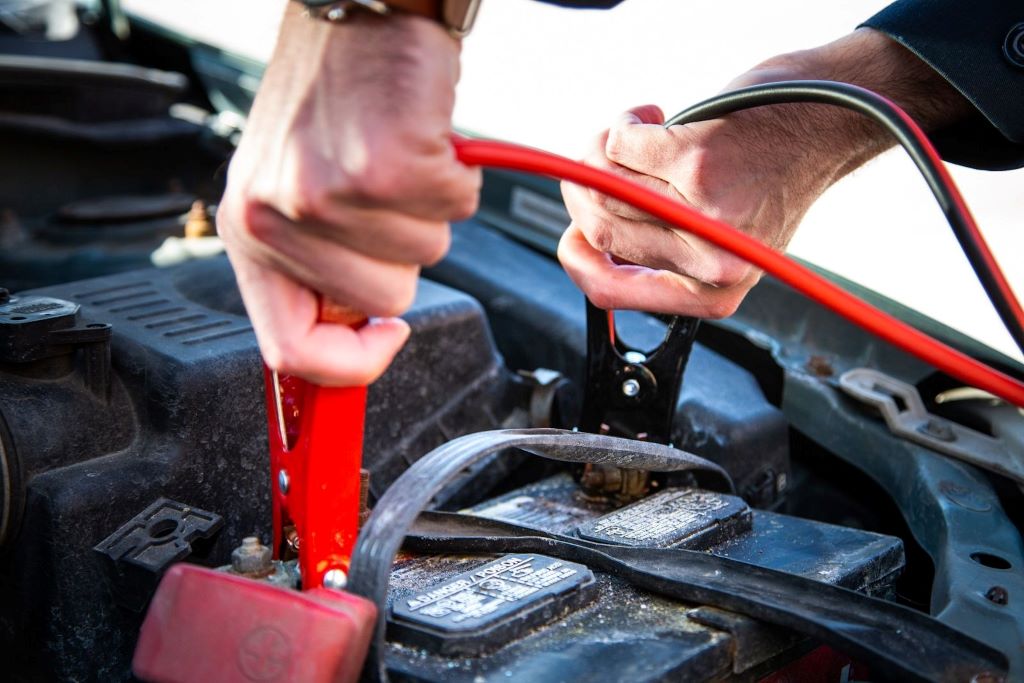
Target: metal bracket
(905, 414)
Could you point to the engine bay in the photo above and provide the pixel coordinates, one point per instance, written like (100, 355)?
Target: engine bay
(133, 435)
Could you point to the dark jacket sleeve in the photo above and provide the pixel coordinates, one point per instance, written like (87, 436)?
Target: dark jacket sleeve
(978, 46)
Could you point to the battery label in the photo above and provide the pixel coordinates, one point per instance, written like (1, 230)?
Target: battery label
(536, 513)
(482, 609)
(494, 590)
(690, 518)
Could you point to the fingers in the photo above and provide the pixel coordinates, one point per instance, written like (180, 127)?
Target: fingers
(343, 185)
(638, 141)
(376, 233)
(284, 315)
(613, 286)
(374, 286)
(432, 185)
(651, 244)
(367, 169)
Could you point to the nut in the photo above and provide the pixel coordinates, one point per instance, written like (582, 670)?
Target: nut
(252, 558)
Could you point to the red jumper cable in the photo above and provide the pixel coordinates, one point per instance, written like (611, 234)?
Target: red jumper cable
(316, 433)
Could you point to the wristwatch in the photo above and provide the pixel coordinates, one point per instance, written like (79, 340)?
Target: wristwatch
(457, 16)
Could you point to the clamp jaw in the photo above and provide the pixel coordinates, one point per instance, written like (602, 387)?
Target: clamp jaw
(631, 393)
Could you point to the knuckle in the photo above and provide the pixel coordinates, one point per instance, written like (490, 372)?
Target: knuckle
(305, 193)
(600, 234)
(728, 271)
(465, 206)
(224, 221)
(280, 354)
(723, 307)
(363, 374)
(603, 201)
(375, 184)
(398, 298)
(438, 247)
(615, 144)
(257, 222)
(309, 200)
(600, 295)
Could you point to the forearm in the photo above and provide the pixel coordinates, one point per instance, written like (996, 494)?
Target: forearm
(838, 141)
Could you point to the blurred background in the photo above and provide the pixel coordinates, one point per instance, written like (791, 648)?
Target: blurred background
(553, 78)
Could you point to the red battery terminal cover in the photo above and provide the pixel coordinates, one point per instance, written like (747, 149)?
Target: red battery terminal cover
(205, 625)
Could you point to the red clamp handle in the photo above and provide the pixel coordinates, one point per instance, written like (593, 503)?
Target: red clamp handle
(316, 450)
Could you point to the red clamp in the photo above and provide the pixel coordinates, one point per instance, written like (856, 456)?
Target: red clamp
(316, 447)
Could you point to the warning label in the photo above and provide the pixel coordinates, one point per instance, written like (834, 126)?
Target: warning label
(689, 518)
(481, 610)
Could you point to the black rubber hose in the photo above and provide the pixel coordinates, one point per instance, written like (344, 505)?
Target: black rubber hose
(883, 112)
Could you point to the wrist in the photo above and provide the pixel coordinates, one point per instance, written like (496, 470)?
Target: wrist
(455, 16)
(826, 141)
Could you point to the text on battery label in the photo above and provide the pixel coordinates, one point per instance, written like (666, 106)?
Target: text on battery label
(683, 510)
(490, 587)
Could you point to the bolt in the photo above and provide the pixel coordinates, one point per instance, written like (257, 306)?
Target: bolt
(938, 429)
(198, 223)
(820, 366)
(998, 595)
(252, 558)
(291, 537)
(634, 357)
(335, 579)
(631, 388)
(283, 480)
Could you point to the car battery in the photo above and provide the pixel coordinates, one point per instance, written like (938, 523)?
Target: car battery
(531, 617)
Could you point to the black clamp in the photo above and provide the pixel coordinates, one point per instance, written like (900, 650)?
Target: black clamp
(628, 392)
(631, 394)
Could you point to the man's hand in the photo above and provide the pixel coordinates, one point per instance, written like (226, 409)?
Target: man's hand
(758, 170)
(343, 185)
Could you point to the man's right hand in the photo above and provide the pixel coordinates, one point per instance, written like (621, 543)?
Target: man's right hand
(758, 170)
(343, 186)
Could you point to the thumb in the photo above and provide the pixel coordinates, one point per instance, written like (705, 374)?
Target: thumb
(639, 141)
(645, 113)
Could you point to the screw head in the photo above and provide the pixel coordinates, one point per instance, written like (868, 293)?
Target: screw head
(335, 579)
(630, 388)
(938, 429)
(283, 480)
(998, 595)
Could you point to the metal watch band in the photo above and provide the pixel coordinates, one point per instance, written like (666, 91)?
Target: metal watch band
(455, 15)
